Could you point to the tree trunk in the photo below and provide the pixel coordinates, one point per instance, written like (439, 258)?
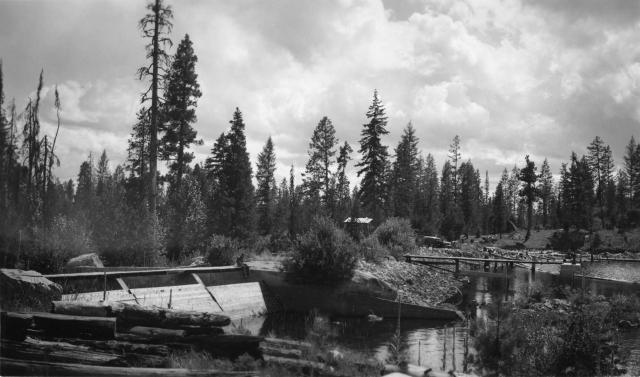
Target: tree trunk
(81, 308)
(153, 145)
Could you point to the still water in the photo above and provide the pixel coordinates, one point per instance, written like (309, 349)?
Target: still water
(444, 346)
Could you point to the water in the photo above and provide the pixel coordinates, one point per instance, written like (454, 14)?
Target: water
(444, 346)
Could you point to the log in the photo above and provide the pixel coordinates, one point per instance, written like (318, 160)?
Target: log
(196, 330)
(20, 367)
(157, 333)
(281, 352)
(287, 343)
(82, 308)
(75, 326)
(119, 347)
(59, 352)
(14, 325)
(130, 315)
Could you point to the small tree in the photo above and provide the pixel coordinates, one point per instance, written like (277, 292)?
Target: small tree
(325, 254)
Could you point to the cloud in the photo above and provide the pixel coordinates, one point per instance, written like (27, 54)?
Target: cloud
(510, 77)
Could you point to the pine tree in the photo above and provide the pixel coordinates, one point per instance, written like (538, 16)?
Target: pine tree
(343, 198)
(236, 182)
(600, 163)
(214, 167)
(545, 190)
(293, 205)
(499, 210)
(529, 192)
(454, 157)
(374, 160)
(632, 169)
(181, 94)
(318, 173)
(452, 221)
(266, 190)
(404, 175)
(155, 26)
(470, 196)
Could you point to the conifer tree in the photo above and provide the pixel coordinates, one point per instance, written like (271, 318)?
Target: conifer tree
(600, 163)
(343, 198)
(318, 173)
(545, 190)
(155, 25)
(236, 182)
(374, 161)
(404, 175)
(632, 169)
(454, 157)
(529, 192)
(181, 95)
(266, 190)
(499, 207)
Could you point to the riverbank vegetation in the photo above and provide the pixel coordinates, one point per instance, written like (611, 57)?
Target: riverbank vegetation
(137, 214)
(576, 335)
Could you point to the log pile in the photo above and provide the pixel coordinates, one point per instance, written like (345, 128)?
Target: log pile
(111, 338)
(81, 336)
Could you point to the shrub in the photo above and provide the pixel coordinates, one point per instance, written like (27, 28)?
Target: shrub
(50, 249)
(325, 254)
(397, 236)
(222, 250)
(567, 240)
(371, 250)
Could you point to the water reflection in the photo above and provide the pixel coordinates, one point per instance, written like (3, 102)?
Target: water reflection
(441, 345)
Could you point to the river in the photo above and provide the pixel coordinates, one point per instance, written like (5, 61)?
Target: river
(444, 346)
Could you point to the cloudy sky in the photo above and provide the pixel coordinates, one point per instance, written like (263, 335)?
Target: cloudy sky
(511, 77)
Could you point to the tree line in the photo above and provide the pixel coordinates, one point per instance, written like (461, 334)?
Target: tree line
(132, 214)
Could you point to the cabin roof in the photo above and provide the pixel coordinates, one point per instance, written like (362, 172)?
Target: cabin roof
(358, 220)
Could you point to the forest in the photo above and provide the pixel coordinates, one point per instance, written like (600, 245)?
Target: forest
(137, 214)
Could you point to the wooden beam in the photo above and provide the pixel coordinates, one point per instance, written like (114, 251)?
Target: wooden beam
(524, 261)
(75, 326)
(197, 278)
(122, 274)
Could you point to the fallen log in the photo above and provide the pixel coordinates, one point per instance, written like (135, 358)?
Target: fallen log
(58, 352)
(21, 367)
(287, 343)
(14, 325)
(196, 330)
(130, 315)
(157, 333)
(280, 352)
(119, 347)
(75, 326)
(82, 308)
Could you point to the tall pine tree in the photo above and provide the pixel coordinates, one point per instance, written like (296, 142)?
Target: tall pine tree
(266, 190)
(181, 94)
(374, 161)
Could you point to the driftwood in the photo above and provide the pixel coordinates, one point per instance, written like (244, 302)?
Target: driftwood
(59, 352)
(75, 326)
(14, 325)
(280, 352)
(119, 347)
(20, 367)
(130, 315)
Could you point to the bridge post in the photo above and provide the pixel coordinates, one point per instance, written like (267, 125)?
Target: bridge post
(533, 267)
(457, 265)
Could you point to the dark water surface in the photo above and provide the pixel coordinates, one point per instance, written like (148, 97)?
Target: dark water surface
(444, 345)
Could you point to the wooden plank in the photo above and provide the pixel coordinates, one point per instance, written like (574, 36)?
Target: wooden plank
(58, 352)
(123, 274)
(499, 260)
(240, 300)
(184, 297)
(197, 278)
(13, 367)
(130, 315)
(119, 295)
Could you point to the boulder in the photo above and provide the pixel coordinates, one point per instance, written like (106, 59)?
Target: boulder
(27, 291)
(84, 260)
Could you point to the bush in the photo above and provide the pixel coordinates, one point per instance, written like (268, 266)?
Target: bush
(50, 249)
(325, 254)
(371, 250)
(397, 236)
(222, 250)
(567, 240)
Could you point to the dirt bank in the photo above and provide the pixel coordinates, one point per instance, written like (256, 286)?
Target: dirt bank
(416, 284)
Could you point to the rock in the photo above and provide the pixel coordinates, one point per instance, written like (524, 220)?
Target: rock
(27, 290)
(198, 261)
(84, 260)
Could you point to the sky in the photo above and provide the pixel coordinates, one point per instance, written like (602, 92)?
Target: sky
(510, 77)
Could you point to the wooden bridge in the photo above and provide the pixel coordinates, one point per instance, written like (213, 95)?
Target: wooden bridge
(455, 261)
